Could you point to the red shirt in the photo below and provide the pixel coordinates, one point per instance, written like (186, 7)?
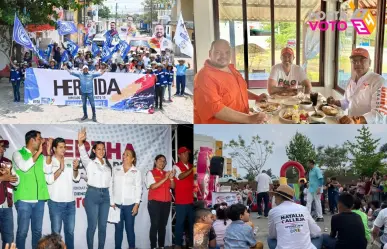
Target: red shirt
(161, 193)
(4, 186)
(184, 188)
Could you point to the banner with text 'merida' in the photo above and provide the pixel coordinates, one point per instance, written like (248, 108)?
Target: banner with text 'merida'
(118, 91)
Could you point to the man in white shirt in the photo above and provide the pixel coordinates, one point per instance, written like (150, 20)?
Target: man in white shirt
(62, 201)
(31, 193)
(380, 221)
(146, 59)
(286, 77)
(366, 94)
(264, 185)
(290, 224)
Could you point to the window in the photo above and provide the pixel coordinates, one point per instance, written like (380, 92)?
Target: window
(261, 55)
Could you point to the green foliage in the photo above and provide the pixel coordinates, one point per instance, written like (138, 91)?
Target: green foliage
(333, 157)
(284, 31)
(251, 157)
(37, 12)
(104, 12)
(301, 149)
(366, 158)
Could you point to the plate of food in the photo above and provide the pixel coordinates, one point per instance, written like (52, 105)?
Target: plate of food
(285, 95)
(316, 117)
(291, 116)
(267, 107)
(330, 110)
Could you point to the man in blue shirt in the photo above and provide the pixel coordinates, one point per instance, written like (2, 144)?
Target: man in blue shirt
(15, 80)
(316, 181)
(180, 77)
(161, 83)
(87, 92)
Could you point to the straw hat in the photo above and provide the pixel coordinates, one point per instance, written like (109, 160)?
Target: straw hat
(285, 191)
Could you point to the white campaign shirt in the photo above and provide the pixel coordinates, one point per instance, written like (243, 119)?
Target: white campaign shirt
(21, 164)
(264, 182)
(61, 189)
(295, 77)
(98, 175)
(367, 98)
(146, 60)
(380, 221)
(292, 226)
(127, 187)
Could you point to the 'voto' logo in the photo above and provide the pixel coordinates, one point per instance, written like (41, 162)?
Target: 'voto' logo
(362, 20)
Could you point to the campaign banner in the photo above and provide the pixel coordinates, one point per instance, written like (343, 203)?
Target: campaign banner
(147, 141)
(219, 197)
(118, 91)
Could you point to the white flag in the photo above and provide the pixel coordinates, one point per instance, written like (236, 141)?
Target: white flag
(182, 39)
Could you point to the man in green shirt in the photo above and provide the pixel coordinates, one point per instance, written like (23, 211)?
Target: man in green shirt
(31, 193)
(363, 216)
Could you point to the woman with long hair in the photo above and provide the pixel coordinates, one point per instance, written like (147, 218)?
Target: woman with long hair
(159, 182)
(375, 182)
(99, 191)
(127, 190)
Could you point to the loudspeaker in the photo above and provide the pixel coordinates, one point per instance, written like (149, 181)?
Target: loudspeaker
(216, 165)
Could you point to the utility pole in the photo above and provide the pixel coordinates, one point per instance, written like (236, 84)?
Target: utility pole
(151, 22)
(116, 11)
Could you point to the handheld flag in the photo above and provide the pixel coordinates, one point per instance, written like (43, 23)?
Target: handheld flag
(65, 57)
(124, 48)
(182, 39)
(20, 35)
(72, 47)
(94, 49)
(87, 41)
(66, 28)
(106, 53)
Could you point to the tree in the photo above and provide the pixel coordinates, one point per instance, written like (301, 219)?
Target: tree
(104, 12)
(284, 31)
(333, 157)
(301, 149)
(31, 12)
(251, 157)
(366, 158)
(383, 149)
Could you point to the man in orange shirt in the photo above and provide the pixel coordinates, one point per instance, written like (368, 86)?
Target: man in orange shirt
(221, 95)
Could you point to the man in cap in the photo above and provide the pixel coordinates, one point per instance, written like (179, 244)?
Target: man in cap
(184, 186)
(8, 179)
(161, 84)
(146, 59)
(87, 92)
(286, 77)
(290, 225)
(53, 65)
(221, 95)
(366, 94)
(181, 69)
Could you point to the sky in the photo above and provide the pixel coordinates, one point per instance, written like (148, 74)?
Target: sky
(282, 134)
(128, 5)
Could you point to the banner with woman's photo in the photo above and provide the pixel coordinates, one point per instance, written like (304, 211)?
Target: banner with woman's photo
(118, 91)
(147, 142)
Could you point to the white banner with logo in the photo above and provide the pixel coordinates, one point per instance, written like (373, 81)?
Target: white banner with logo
(182, 39)
(118, 91)
(147, 141)
(219, 197)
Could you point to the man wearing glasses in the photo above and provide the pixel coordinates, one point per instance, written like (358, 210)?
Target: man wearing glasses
(366, 94)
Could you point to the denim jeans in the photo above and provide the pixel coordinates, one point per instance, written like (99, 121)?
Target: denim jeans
(97, 204)
(89, 96)
(26, 213)
(317, 242)
(169, 92)
(6, 226)
(63, 212)
(265, 197)
(159, 215)
(182, 212)
(127, 218)
(329, 242)
(333, 198)
(16, 90)
(180, 84)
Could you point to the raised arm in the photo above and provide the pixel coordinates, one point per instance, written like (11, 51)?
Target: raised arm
(82, 150)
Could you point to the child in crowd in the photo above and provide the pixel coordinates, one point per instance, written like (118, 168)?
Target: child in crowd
(221, 223)
(374, 210)
(204, 233)
(239, 235)
(357, 209)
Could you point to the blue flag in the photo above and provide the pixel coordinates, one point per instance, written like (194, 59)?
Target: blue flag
(94, 49)
(124, 48)
(47, 52)
(106, 53)
(20, 35)
(65, 57)
(72, 47)
(66, 28)
(87, 41)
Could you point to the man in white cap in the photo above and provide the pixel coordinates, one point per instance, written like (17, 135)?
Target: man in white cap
(366, 94)
(87, 92)
(146, 59)
(8, 179)
(290, 225)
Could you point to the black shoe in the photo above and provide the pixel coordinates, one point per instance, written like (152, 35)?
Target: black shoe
(94, 119)
(320, 220)
(83, 118)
